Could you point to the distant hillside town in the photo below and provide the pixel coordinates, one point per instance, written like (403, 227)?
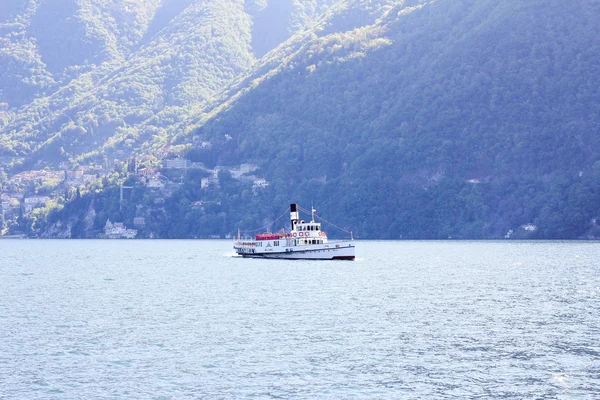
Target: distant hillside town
(29, 197)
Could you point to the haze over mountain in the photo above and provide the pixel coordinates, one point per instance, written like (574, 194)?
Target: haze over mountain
(413, 119)
(85, 71)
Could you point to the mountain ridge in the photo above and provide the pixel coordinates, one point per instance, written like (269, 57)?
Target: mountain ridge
(485, 123)
(403, 119)
(190, 77)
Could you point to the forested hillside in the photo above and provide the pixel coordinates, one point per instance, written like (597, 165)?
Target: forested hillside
(442, 119)
(81, 76)
(397, 119)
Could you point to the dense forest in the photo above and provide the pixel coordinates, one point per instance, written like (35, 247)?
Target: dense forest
(462, 119)
(396, 119)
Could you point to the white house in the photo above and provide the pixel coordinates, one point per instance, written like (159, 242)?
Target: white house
(177, 163)
(237, 173)
(29, 203)
(118, 230)
(260, 183)
(207, 182)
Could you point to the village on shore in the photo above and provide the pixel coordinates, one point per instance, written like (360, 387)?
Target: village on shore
(27, 195)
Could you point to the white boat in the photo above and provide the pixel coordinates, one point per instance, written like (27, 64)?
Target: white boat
(306, 241)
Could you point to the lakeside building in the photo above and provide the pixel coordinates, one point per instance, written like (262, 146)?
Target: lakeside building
(118, 230)
(29, 203)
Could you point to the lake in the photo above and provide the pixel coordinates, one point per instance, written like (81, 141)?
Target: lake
(406, 320)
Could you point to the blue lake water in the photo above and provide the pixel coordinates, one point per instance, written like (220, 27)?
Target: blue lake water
(407, 320)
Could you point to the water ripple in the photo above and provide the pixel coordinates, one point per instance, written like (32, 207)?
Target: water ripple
(410, 320)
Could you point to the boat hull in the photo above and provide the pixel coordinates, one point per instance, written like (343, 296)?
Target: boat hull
(345, 252)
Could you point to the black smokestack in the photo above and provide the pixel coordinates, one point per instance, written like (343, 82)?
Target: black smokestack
(294, 215)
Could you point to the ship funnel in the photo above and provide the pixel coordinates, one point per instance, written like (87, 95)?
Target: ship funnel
(294, 215)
